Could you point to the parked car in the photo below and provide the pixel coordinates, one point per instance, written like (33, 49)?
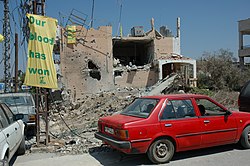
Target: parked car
(163, 125)
(22, 103)
(244, 98)
(11, 134)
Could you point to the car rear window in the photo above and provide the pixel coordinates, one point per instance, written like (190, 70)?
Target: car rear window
(17, 100)
(141, 107)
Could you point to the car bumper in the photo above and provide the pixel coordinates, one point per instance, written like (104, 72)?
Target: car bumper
(31, 123)
(113, 142)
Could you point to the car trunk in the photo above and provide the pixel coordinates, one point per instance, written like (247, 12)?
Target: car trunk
(110, 124)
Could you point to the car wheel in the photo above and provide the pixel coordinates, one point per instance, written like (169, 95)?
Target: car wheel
(161, 151)
(245, 138)
(21, 149)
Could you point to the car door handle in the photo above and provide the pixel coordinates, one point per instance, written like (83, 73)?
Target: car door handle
(206, 121)
(7, 135)
(168, 125)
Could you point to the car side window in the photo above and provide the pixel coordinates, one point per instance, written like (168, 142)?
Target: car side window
(209, 108)
(10, 115)
(168, 112)
(3, 118)
(178, 109)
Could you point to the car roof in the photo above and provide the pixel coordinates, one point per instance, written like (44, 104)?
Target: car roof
(15, 94)
(174, 96)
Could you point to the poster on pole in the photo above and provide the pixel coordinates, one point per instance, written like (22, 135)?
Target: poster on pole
(40, 71)
(71, 34)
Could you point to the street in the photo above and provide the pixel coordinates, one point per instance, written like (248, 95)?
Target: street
(229, 155)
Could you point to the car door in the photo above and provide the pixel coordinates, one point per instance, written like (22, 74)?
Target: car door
(13, 123)
(9, 131)
(218, 127)
(179, 120)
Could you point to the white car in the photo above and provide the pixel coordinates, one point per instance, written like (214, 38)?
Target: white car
(12, 138)
(22, 103)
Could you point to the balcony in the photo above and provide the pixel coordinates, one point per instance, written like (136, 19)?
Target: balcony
(245, 52)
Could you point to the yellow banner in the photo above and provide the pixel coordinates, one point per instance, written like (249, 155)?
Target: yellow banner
(71, 31)
(41, 70)
(1, 38)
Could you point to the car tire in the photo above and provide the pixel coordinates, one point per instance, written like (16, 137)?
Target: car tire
(161, 151)
(5, 161)
(21, 149)
(245, 138)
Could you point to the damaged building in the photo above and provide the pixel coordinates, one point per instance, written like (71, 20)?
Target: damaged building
(95, 61)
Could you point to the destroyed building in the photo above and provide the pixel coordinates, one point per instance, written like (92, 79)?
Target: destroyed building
(96, 61)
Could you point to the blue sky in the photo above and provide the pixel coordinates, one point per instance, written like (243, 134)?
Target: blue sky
(206, 25)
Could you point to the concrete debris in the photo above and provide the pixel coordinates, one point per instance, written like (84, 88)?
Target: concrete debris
(72, 124)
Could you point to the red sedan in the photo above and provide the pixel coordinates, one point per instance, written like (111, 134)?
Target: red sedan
(163, 125)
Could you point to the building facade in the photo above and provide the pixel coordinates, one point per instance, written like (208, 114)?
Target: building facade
(96, 61)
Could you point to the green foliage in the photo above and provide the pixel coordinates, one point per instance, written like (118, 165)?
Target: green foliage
(219, 71)
(196, 90)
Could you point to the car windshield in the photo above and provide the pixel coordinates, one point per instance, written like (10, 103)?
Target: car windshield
(17, 100)
(141, 107)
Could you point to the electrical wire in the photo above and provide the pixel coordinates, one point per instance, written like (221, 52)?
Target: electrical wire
(73, 132)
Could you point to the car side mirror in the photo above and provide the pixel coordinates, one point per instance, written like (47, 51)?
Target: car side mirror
(227, 113)
(18, 116)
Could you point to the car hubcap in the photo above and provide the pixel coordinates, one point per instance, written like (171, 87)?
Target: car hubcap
(248, 136)
(161, 150)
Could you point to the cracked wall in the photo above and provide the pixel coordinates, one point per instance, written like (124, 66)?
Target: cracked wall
(87, 65)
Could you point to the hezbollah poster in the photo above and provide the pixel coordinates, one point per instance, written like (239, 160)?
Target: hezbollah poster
(71, 34)
(41, 70)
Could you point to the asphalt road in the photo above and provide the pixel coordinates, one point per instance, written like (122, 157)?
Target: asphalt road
(229, 155)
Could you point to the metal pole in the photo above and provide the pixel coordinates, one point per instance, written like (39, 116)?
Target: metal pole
(92, 15)
(37, 117)
(34, 7)
(16, 62)
(46, 117)
(42, 7)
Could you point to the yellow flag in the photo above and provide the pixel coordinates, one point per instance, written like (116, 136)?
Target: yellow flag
(41, 70)
(120, 30)
(71, 31)
(1, 38)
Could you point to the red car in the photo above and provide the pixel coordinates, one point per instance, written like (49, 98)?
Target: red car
(163, 125)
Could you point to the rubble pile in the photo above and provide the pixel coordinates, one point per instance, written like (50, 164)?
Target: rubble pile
(72, 124)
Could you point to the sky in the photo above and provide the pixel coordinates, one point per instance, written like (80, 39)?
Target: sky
(206, 25)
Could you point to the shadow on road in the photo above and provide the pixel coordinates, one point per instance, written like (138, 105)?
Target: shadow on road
(27, 146)
(108, 156)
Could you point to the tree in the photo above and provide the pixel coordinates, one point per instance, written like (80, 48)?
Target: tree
(219, 70)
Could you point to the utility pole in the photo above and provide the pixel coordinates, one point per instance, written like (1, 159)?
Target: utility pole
(41, 108)
(16, 62)
(6, 52)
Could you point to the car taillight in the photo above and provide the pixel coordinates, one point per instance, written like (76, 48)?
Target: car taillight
(32, 117)
(123, 134)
